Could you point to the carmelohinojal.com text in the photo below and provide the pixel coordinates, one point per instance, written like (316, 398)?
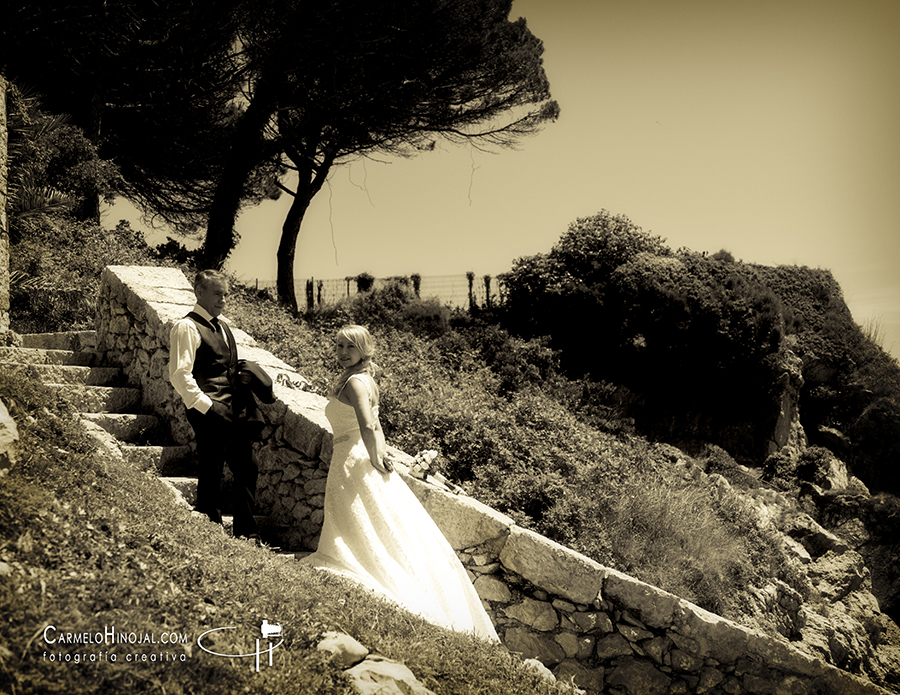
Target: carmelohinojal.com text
(109, 636)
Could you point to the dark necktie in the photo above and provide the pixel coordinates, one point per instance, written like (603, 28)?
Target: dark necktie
(215, 324)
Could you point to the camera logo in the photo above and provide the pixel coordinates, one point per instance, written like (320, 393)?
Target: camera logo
(270, 630)
(267, 630)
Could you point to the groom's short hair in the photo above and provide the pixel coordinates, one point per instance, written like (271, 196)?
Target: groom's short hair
(204, 277)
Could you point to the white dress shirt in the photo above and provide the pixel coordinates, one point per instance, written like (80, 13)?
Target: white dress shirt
(184, 339)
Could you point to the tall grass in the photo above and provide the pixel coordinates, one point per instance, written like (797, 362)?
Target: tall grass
(89, 543)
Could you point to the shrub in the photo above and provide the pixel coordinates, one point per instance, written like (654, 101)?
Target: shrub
(52, 165)
(56, 266)
(673, 534)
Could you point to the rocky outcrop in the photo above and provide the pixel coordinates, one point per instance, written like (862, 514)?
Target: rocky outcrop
(788, 432)
(839, 619)
(869, 527)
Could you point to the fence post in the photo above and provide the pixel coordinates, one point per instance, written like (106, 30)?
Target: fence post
(309, 294)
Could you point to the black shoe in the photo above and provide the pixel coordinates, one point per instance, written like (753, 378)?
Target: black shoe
(214, 515)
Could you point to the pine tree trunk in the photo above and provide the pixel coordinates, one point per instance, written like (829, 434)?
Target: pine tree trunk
(287, 247)
(247, 152)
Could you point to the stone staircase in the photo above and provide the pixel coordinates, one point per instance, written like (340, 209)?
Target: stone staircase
(68, 364)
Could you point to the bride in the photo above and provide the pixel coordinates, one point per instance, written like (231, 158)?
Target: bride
(375, 530)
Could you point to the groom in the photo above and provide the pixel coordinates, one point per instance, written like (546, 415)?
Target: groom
(205, 371)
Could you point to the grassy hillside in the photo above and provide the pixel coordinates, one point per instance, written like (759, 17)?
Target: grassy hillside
(88, 543)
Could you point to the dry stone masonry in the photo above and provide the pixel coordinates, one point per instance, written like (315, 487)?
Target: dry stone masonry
(605, 630)
(136, 310)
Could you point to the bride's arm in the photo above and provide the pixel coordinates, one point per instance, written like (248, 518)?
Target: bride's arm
(369, 428)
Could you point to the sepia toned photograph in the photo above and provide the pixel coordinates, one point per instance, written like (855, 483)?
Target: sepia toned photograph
(450, 347)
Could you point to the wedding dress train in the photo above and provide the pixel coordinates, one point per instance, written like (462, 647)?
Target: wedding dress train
(377, 532)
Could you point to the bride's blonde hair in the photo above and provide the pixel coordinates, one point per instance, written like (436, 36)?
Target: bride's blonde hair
(365, 343)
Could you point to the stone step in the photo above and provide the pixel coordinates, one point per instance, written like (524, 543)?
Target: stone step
(185, 489)
(168, 461)
(128, 427)
(69, 340)
(99, 399)
(68, 374)
(41, 356)
(228, 520)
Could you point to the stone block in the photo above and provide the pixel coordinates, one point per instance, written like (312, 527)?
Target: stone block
(657, 648)
(638, 677)
(612, 647)
(655, 606)
(316, 486)
(570, 671)
(532, 646)
(589, 621)
(301, 511)
(634, 634)
(538, 615)
(552, 566)
(306, 428)
(291, 471)
(712, 635)
(570, 643)
(492, 589)
(682, 661)
(465, 522)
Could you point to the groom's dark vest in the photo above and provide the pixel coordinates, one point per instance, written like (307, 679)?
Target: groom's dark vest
(215, 363)
(216, 373)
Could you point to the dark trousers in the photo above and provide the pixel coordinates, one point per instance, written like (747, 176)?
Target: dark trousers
(220, 442)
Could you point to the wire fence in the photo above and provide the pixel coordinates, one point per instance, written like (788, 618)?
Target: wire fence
(450, 290)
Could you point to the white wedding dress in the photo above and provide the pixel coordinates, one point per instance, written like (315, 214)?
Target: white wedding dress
(378, 533)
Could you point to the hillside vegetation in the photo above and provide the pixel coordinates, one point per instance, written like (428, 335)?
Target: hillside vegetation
(557, 455)
(699, 341)
(559, 405)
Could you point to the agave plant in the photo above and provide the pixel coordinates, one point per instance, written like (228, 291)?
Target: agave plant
(28, 196)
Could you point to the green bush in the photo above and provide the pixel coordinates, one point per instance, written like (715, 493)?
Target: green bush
(691, 337)
(52, 165)
(55, 269)
(851, 383)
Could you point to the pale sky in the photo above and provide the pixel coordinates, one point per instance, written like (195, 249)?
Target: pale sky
(770, 129)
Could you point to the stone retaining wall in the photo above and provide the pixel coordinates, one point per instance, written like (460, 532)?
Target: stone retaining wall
(608, 631)
(136, 310)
